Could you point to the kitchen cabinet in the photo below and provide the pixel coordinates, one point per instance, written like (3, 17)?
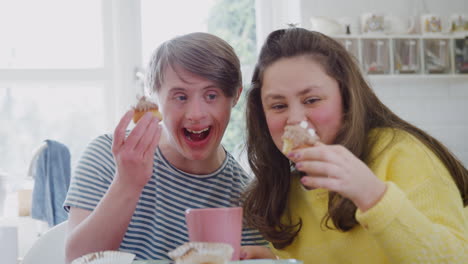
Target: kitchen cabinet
(397, 55)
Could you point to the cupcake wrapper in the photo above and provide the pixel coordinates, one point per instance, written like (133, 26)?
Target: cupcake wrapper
(201, 252)
(106, 257)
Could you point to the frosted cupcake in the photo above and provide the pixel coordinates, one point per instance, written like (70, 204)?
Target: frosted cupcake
(297, 136)
(202, 253)
(145, 105)
(105, 257)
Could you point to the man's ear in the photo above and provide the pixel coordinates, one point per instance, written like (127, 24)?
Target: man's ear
(239, 92)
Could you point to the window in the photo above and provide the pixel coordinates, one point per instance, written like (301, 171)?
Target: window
(30, 115)
(163, 20)
(50, 34)
(53, 81)
(67, 67)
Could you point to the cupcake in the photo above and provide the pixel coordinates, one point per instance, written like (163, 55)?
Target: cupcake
(145, 105)
(202, 253)
(297, 136)
(105, 257)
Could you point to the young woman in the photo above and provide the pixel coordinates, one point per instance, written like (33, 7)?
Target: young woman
(376, 189)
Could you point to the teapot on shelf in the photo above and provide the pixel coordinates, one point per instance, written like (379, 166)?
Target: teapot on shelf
(399, 25)
(327, 26)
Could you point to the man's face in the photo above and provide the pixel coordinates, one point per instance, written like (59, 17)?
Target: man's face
(196, 113)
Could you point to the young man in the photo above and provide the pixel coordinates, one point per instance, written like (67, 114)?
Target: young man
(130, 190)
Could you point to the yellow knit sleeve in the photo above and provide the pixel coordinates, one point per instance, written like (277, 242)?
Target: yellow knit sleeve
(282, 254)
(420, 218)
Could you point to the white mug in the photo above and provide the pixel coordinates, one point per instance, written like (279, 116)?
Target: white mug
(9, 244)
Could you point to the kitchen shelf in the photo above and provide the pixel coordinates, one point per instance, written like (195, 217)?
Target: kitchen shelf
(431, 55)
(417, 77)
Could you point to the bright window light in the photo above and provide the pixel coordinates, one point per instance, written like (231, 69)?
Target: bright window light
(50, 34)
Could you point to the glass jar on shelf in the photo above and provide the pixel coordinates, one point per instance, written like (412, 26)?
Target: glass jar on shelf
(406, 57)
(351, 45)
(461, 54)
(376, 55)
(436, 55)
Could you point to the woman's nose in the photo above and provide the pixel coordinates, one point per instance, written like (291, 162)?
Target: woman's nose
(296, 114)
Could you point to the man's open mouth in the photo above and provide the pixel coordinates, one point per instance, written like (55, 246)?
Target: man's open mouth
(196, 135)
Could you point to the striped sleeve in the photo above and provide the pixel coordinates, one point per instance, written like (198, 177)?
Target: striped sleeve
(251, 237)
(93, 175)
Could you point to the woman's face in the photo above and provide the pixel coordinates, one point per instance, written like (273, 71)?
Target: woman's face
(296, 89)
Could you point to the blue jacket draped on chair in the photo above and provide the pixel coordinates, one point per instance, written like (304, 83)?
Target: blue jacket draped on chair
(51, 181)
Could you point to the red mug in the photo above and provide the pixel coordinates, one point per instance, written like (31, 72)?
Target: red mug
(219, 225)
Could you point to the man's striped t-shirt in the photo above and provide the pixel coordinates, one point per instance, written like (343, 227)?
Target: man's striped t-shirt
(158, 223)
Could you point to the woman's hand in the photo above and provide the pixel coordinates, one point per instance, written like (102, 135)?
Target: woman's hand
(256, 252)
(134, 154)
(335, 168)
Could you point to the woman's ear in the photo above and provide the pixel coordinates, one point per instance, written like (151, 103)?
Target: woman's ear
(239, 92)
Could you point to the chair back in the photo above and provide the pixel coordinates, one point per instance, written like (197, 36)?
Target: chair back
(49, 248)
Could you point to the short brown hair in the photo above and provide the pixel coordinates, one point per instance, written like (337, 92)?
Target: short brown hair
(200, 53)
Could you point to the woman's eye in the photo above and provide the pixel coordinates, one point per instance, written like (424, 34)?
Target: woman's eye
(278, 106)
(311, 100)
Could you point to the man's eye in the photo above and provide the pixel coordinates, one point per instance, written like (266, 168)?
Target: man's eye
(211, 96)
(181, 97)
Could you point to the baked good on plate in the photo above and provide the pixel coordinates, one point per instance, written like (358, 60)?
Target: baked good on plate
(202, 253)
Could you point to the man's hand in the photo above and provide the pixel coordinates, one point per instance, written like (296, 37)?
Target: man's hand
(134, 154)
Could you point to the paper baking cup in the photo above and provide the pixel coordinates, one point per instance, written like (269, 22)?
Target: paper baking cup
(202, 252)
(268, 261)
(105, 257)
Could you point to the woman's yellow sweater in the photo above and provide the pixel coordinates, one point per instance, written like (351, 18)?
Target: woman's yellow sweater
(420, 218)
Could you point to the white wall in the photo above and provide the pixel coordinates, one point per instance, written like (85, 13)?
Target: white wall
(340, 8)
(438, 105)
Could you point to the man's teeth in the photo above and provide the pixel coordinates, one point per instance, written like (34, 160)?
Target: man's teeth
(197, 132)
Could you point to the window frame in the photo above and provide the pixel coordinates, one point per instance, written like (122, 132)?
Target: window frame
(121, 32)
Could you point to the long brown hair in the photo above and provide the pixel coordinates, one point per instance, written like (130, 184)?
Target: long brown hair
(265, 202)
